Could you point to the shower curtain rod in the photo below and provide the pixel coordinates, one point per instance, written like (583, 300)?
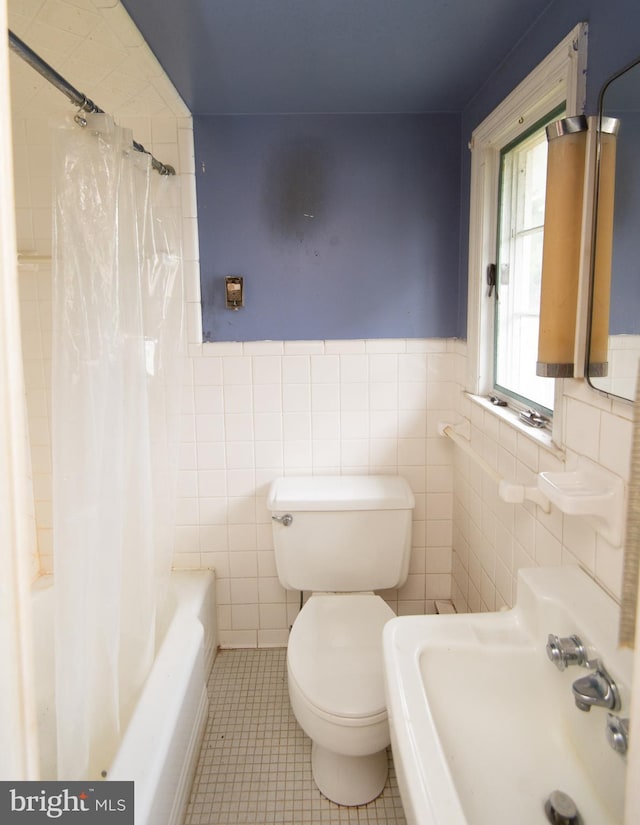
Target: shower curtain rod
(86, 105)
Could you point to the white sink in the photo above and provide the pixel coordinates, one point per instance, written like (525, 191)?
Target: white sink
(484, 727)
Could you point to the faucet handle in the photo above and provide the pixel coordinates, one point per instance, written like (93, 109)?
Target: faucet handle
(566, 651)
(618, 733)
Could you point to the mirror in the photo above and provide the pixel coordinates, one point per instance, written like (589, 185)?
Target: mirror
(614, 334)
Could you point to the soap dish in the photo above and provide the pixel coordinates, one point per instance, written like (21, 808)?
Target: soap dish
(588, 491)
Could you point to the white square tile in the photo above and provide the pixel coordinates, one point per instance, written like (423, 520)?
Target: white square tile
(241, 482)
(213, 538)
(383, 452)
(326, 454)
(325, 369)
(296, 398)
(273, 616)
(241, 510)
(383, 368)
(270, 591)
(187, 456)
(348, 347)
(240, 455)
(242, 537)
(236, 370)
(354, 396)
(527, 452)
(207, 371)
(267, 398)
(187, 483)
(412, 395)
(325, 425)
(412, 367)
(296, 369)
(267, 369)
(616, 438)
(354, 452)
(548, 550)
(243, 564)
(212, 510)
(237, 427)
(304, 347)
(269, 454)
(354, 425)
(245, 617)
(383, 423)
(325, 397)
(386, 345)
(582, 427)
(439, 505)
(412, 451)
(354, 368)
(238, 399)
(438, 586)
(244, 590)
(211, 456)
(210, 427)
(296, 426)
(211, 483)
(383, 396)
(268, 426)
(297, 454)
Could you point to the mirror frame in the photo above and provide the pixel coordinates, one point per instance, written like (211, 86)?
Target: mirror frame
(594, 231)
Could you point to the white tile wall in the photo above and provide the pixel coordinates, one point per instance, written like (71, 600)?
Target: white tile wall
(492, 540)
(259, 410)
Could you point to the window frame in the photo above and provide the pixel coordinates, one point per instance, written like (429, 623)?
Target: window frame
(559, 79)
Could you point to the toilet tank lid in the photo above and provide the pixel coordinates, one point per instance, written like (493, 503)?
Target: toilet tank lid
(317, 493)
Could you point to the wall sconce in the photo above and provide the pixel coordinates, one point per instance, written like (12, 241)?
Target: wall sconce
(567, 140)
(562, 255)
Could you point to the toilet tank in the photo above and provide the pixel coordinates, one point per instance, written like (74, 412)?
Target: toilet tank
(345, 534)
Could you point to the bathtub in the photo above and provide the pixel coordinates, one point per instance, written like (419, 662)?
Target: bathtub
(160, 746)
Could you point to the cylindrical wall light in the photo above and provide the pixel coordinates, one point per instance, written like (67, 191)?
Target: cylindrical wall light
(603, 251)
(567, 140)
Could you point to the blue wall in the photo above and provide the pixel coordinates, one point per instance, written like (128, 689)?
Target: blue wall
(343, 226)
(614, 41)
(386, 253)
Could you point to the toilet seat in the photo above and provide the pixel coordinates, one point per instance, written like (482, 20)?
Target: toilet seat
(335, 657)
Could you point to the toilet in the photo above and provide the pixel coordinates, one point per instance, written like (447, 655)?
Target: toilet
(341, 537)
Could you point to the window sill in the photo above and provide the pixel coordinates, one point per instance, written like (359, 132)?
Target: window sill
(542, 438)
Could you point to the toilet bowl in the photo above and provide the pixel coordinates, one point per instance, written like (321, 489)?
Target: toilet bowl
(341, 538)
(336, 689)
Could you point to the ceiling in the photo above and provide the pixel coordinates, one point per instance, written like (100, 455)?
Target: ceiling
(277, 56)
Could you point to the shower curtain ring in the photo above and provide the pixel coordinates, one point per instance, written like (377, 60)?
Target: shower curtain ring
(86, 105)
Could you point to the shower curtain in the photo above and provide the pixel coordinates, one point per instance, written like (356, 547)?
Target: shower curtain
(116, 364)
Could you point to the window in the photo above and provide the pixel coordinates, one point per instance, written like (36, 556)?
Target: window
(508, 180)
(521, 198)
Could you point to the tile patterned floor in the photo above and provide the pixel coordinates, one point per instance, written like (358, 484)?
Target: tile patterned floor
(255, 763)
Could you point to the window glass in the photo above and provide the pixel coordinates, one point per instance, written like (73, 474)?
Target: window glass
(523, 168)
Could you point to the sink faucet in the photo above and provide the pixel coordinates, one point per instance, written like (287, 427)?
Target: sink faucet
(596, 688)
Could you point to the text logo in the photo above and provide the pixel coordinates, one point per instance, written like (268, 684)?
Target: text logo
(33, 803)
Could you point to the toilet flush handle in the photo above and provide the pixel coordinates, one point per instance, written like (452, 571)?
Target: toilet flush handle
(284, 520)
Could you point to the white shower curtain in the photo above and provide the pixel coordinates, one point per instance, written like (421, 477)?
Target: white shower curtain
(117, 345)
